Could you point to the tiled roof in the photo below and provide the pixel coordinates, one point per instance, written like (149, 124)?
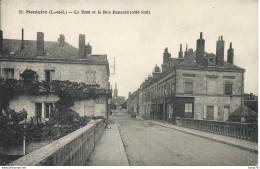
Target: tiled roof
(52, 50)
(244, 111)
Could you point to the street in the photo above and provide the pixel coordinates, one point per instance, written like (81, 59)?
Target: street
(147, 144)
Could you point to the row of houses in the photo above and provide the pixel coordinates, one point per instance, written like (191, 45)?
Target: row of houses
(55, 60)
(196, 84)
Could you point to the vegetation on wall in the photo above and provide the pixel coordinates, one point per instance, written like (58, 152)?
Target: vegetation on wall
(63, 120)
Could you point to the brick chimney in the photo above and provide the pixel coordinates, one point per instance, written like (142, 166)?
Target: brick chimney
(22, 45)
(230, 54)
(180, 52)
(61, 40)
(88, 49)
(166, 56)
(1, 42)
(40, 44)
(200, 51)
(82, 52)
(220, 52)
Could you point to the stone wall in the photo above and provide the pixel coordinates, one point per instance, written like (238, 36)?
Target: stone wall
(71, 150)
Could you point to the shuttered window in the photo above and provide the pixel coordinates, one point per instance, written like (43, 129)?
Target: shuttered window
(188, 85)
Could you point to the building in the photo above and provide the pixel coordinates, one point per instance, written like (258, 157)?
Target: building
(117, 100)
(196, 84)
(55, 60)
(133, 103)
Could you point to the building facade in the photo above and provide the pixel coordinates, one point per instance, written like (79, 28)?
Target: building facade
(55, 61)
(196, 85)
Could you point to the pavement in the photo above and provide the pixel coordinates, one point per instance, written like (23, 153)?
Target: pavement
(109, 150)
(243, 144)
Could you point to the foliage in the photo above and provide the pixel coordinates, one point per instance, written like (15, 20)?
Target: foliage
(124, 105)
(112, 105)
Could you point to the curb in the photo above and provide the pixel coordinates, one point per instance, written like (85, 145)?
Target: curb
(122, 144)
(212, 139)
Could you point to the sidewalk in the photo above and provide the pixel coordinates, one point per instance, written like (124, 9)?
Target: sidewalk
(109, 150)
(243, 144)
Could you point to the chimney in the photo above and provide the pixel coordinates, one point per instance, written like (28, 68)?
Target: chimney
(200, 51)
(230, 54)
(180, 52)
(22, 46)
(82, 52)
(61, 40)
(88, 49)
(166, 56)
(1, 42)
(40, 44)
(186, 53)
(220, 52)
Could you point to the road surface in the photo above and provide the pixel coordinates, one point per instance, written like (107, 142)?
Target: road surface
(147, 144)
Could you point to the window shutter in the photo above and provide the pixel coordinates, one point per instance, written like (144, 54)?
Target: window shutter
(215, 112)
(205, 112)
(16, 74)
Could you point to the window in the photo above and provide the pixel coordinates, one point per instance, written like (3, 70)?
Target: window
(188, 110)
(49, 75)
(210, 113)
(38, 112)
(48, 109)
(228, 88)
(188, 86)
(9, 73)
(91, 76)
(211, 85)
(226, 113)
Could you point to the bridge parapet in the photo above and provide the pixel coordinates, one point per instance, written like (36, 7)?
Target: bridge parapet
(247, 131)
(73, 149)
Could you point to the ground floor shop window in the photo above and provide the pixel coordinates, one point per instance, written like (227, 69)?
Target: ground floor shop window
(188, 110)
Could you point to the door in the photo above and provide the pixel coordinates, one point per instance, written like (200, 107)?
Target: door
(226, 113)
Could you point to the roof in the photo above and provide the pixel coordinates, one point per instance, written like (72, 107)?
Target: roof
(190, 61)
(52, 52)
(243, 111)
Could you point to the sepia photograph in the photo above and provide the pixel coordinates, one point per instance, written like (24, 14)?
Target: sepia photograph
(128, 83)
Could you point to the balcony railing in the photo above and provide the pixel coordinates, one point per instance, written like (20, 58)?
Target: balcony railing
(247, 131)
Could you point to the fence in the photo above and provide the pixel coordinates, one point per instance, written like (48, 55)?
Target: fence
(247, 131)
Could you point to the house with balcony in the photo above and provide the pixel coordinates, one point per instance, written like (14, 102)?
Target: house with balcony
(55, 61)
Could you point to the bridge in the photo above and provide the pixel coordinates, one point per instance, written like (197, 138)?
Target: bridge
(137, 142)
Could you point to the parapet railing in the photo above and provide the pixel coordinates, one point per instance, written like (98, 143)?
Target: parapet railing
(73, 149)
(247, 131)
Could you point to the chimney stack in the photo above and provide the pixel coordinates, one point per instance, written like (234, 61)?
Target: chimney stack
(1, 42)
(220, 52)
(82, 52)
(186, 53)
(166, 56)
(88, 49)
(230, 54)
(62, 40)
(200, 51)
(40, 44)
(22, 46)
(180, 52)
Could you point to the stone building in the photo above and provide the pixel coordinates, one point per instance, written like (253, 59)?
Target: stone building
(55, 60)
(196, 85)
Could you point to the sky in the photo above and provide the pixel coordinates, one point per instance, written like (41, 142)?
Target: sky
(137, 41)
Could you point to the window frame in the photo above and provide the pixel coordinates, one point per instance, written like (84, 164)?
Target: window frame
(188, 113)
